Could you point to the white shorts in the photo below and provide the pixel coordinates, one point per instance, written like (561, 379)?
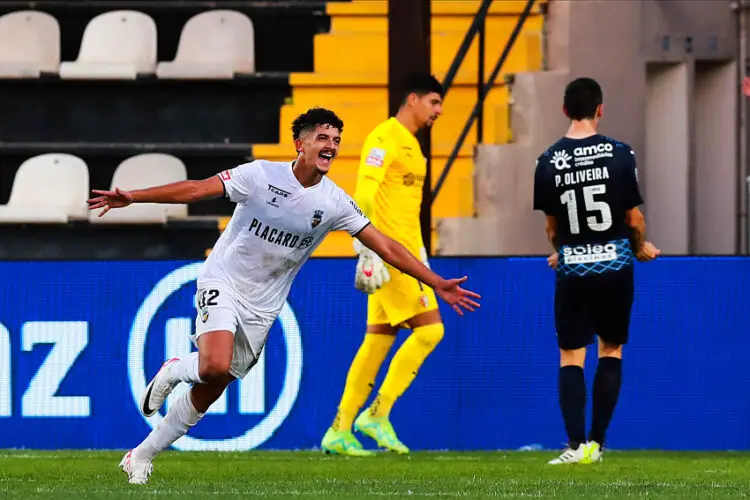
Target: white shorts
(218, 309)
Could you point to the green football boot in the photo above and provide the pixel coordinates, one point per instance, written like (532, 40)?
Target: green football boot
(343, 443)
(381, 430)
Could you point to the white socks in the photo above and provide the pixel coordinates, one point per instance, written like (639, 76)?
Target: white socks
(186, 369)
(181, 416)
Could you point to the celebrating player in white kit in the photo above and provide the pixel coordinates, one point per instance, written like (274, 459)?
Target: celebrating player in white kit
(284, 211)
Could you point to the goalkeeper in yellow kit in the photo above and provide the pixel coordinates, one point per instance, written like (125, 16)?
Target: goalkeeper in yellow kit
(389, 191)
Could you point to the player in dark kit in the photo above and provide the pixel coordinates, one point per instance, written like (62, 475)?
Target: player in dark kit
(587, 186)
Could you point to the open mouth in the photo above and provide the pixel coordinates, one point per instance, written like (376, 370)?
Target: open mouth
(325, 158)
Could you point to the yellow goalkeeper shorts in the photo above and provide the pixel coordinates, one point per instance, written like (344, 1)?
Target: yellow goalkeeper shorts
(399, 300)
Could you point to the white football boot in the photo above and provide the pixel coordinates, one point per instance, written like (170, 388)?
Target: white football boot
(570, 455)
(138, 471)
(159, 388)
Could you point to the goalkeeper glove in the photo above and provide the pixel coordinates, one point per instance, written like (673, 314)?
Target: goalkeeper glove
(371, 272)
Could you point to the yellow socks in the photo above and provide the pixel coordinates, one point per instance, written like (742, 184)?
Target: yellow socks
(361, 378)
(405, 365)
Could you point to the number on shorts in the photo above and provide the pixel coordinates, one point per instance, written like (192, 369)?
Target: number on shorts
(208, 298)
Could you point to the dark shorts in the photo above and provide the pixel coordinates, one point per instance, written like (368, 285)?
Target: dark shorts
(590, 306)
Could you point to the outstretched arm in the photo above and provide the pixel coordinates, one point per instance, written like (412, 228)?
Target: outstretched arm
(181, 192)
(395, 254)
(177, 192)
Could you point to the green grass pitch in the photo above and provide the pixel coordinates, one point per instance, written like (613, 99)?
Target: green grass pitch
(94, 474)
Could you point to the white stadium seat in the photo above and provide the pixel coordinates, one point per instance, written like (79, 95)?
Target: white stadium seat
(213, 44)
(116, 45)
(48, 188)
(29, 44)
(142, 171)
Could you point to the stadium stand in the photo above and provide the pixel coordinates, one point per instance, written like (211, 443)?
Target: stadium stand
(29, 44)
(148, 169)
(206, 115)
(212, 86)
(213, 44)
(355, 84)
(49, 188)
(136, 85)
(116, 45)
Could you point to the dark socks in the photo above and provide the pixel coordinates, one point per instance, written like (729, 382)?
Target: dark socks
(606, 392)
(573, 403)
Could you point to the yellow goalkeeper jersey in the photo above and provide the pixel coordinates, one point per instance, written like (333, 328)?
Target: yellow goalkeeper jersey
(392, 158)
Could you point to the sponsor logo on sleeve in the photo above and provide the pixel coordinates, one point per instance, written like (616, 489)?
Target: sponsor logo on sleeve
(375, 158)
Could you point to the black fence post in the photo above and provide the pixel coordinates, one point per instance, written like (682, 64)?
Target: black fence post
(409, 52)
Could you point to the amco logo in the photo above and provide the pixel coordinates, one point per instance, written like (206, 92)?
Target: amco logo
(250, 391)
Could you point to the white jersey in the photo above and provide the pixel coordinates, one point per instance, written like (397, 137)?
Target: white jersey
(276, 225)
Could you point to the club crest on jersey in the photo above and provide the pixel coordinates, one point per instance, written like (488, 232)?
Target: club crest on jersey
(317, 218)
(561, 160)
(410, 178)
(204, 314)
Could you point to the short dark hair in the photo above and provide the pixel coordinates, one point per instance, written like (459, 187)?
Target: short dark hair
(582, 97)
(421, 84)
(313, 118)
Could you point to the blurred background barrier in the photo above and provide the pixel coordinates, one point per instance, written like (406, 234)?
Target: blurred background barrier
(79, 340)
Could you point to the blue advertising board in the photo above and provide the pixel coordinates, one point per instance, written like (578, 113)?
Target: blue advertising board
(79, 341)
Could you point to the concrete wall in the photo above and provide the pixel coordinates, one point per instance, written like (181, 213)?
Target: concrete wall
(668, 72)
(503, 177)
(665, 162)
(714, 195)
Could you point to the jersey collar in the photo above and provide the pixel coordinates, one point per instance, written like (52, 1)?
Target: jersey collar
(297, 184)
